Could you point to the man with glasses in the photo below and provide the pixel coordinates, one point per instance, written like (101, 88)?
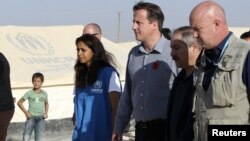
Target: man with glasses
(93, 29)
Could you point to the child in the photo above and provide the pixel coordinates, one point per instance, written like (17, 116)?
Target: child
(38, 108)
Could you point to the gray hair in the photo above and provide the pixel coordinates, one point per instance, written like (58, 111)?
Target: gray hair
(187, 35)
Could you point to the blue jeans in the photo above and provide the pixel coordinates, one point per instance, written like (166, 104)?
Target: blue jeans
(36, 123)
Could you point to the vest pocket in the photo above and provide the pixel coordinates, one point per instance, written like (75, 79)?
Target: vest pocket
(222, 90)
(236, 121)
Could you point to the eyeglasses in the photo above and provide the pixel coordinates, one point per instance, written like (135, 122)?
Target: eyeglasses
(91, 34)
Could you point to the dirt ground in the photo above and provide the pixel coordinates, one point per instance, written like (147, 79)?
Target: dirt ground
(66, 136)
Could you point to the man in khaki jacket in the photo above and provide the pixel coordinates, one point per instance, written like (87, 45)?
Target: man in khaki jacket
(222, 87)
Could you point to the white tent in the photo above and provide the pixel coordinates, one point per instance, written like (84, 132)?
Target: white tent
(128, 45)
(50, 50)
(239, 30)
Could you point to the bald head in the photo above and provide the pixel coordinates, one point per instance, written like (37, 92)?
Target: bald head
(209, 9)
(209, 22)
(93, 29)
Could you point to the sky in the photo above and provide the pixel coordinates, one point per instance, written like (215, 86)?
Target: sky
(114, 16)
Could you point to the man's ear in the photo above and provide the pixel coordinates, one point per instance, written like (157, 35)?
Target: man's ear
(99, 36)
(194, 47)
(155, 24)
(216, 23)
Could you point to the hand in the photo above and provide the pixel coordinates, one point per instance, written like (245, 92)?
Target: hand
(116, 137)
(45, 116)
(28, 115)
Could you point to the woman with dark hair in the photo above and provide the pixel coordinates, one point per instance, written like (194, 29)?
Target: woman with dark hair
(97, 91)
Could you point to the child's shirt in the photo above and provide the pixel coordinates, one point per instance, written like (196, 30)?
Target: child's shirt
(36, 102)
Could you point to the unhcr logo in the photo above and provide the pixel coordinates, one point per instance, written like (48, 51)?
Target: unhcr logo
(98, 84)
(97, 87)
(34, 45)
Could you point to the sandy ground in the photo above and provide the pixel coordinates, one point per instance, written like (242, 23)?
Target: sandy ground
(66, 136)
(56, 130)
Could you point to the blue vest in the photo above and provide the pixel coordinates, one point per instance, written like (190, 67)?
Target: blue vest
(93, 110)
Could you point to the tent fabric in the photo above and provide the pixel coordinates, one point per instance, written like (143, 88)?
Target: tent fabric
(239, 30)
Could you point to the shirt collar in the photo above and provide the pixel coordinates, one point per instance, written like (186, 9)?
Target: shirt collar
(214, 54)
(158, 46)
(222, 44)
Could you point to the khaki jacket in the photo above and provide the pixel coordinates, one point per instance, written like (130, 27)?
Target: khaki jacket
(225, 101)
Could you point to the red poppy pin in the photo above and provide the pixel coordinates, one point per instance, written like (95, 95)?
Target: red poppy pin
(155, 65)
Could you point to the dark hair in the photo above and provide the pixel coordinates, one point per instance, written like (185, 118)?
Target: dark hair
(85, 75)
(166, 33)
(37, 75)
(245, 35)
(154, 12)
